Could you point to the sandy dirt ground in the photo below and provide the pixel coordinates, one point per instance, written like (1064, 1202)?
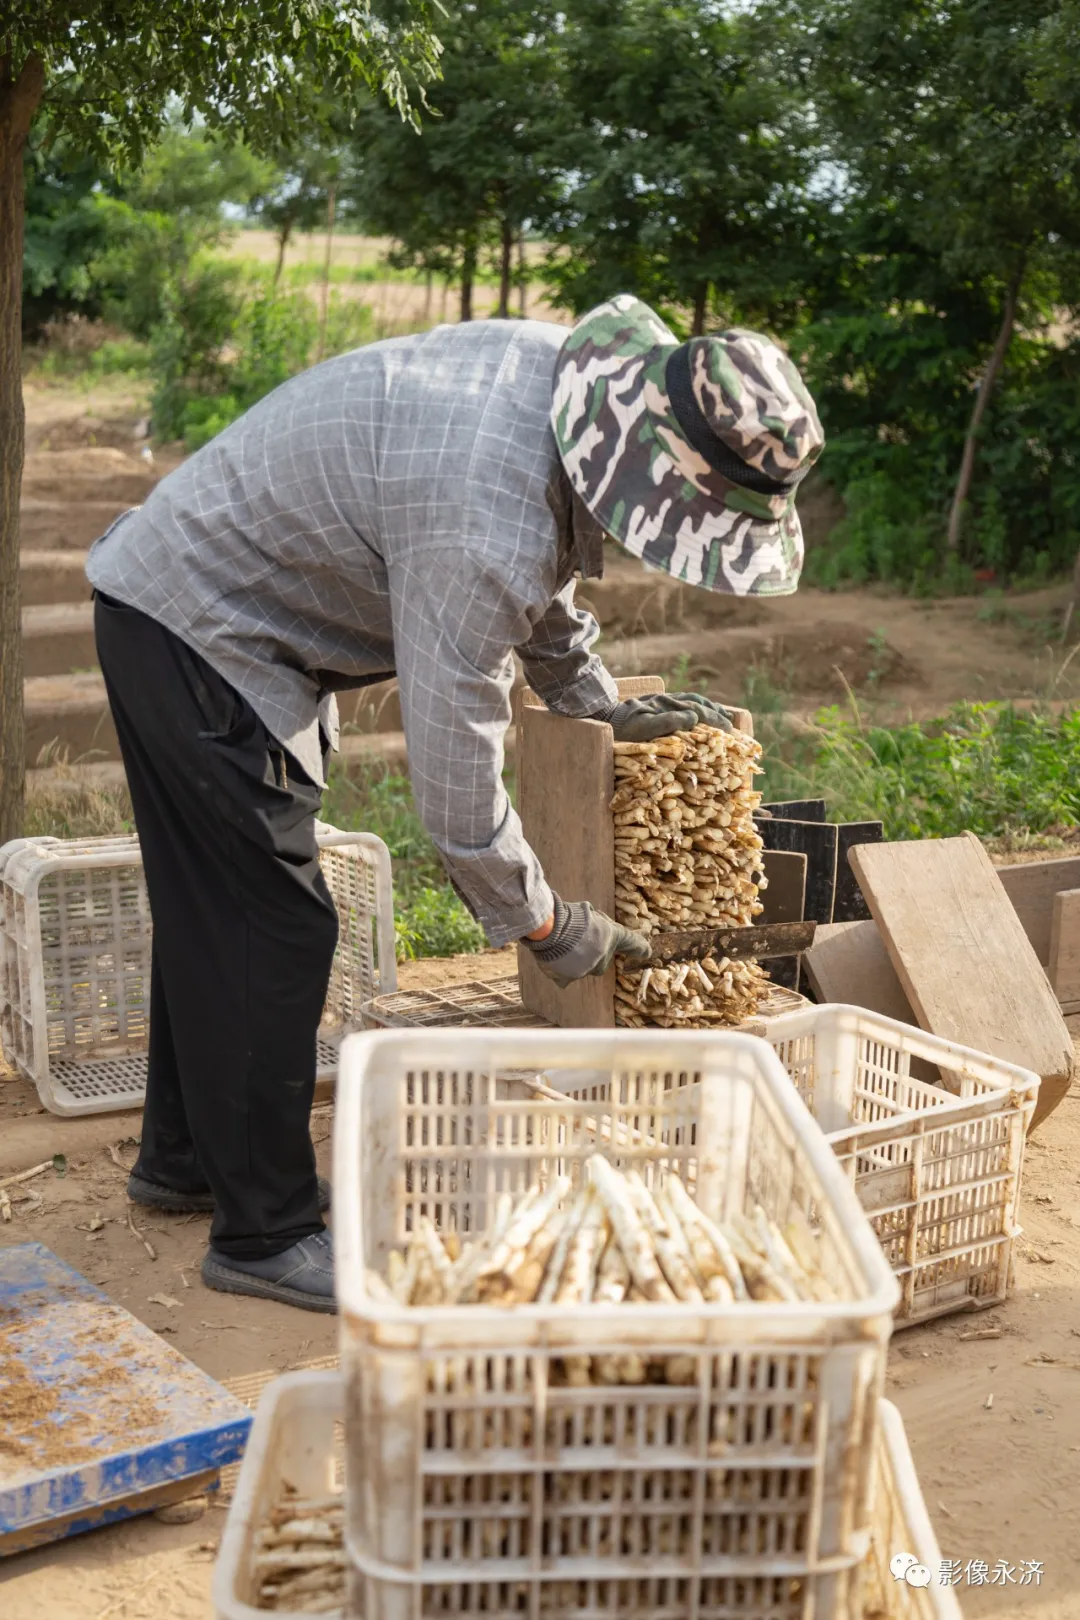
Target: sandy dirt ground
(1001, 1478)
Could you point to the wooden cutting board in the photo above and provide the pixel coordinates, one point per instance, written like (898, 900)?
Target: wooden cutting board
(849, 963)
(962, 956)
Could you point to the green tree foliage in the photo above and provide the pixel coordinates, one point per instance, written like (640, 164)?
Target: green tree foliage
(103, 77)
(955, 139)
(482, 167)
(686, 160)
(66, 229)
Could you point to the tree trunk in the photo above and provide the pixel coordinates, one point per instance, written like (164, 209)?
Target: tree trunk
(427, 299)
(283, 241)
(506, 269)
(468, 273)
(331, 199)
(982, 399)
(523, 277)
(701, 307)
(20, 95)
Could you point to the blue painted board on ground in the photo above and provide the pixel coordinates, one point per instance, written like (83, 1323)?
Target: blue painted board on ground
(94, 1406)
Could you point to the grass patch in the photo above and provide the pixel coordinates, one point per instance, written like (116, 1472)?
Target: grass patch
(71, 807)
(1003, 773)
(429, 919)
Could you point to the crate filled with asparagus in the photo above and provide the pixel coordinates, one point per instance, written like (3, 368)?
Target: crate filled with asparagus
(628, 1311)
(687, 855)
(612, 1241)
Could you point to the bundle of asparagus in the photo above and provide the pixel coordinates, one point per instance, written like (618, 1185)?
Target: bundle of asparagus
(300, 1556)
(614, 1240)
(687, 856)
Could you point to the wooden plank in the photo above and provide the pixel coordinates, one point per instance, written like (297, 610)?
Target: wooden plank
(784, 897)
(848, 963)
(848, 902)
(797, 810)
(121, 1507)
(1031, 887)
(568, 773)
(818, 842)
(1065, 949)
(962, 955)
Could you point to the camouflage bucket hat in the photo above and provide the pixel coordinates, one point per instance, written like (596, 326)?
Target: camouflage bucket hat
(688, 454)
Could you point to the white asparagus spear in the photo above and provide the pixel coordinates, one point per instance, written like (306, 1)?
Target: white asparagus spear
(378, 1289)
(633, 1237)
(307, 1507)
(673, 1262)
(554, 1272)
(574, 1285)
(779, 1255)
(405, 1286)
(697, 1220)
(803, 1245)
(301, 1558)
(613, 1275)
(763, 1280)
(520, 1282)
(476, 1256)
(524, 1225)
(297, 1530)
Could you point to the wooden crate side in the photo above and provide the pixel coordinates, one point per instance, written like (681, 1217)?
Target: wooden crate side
(1065, 949)
(1031, 888)
(567, 771)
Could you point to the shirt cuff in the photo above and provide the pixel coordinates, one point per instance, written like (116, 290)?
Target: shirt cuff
(592, 693)
(504, 927)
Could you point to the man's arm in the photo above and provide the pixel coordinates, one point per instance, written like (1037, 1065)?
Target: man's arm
(456, 617)
(559, 663)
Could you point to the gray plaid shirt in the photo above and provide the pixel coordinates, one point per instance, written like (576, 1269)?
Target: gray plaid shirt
(401, 509)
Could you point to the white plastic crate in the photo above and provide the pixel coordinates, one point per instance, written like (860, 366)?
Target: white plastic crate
(901, 1525)
(75, 936)
(478, 1484)
(295, 1444)
(937, 1166)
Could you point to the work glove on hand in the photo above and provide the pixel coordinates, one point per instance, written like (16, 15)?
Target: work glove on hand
(583, 943)
(661, 714)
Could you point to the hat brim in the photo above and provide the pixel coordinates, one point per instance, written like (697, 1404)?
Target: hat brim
(629, 460)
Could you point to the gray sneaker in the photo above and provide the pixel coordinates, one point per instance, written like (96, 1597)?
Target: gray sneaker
(302, 1275)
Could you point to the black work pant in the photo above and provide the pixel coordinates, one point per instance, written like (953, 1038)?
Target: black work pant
(244, 936)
